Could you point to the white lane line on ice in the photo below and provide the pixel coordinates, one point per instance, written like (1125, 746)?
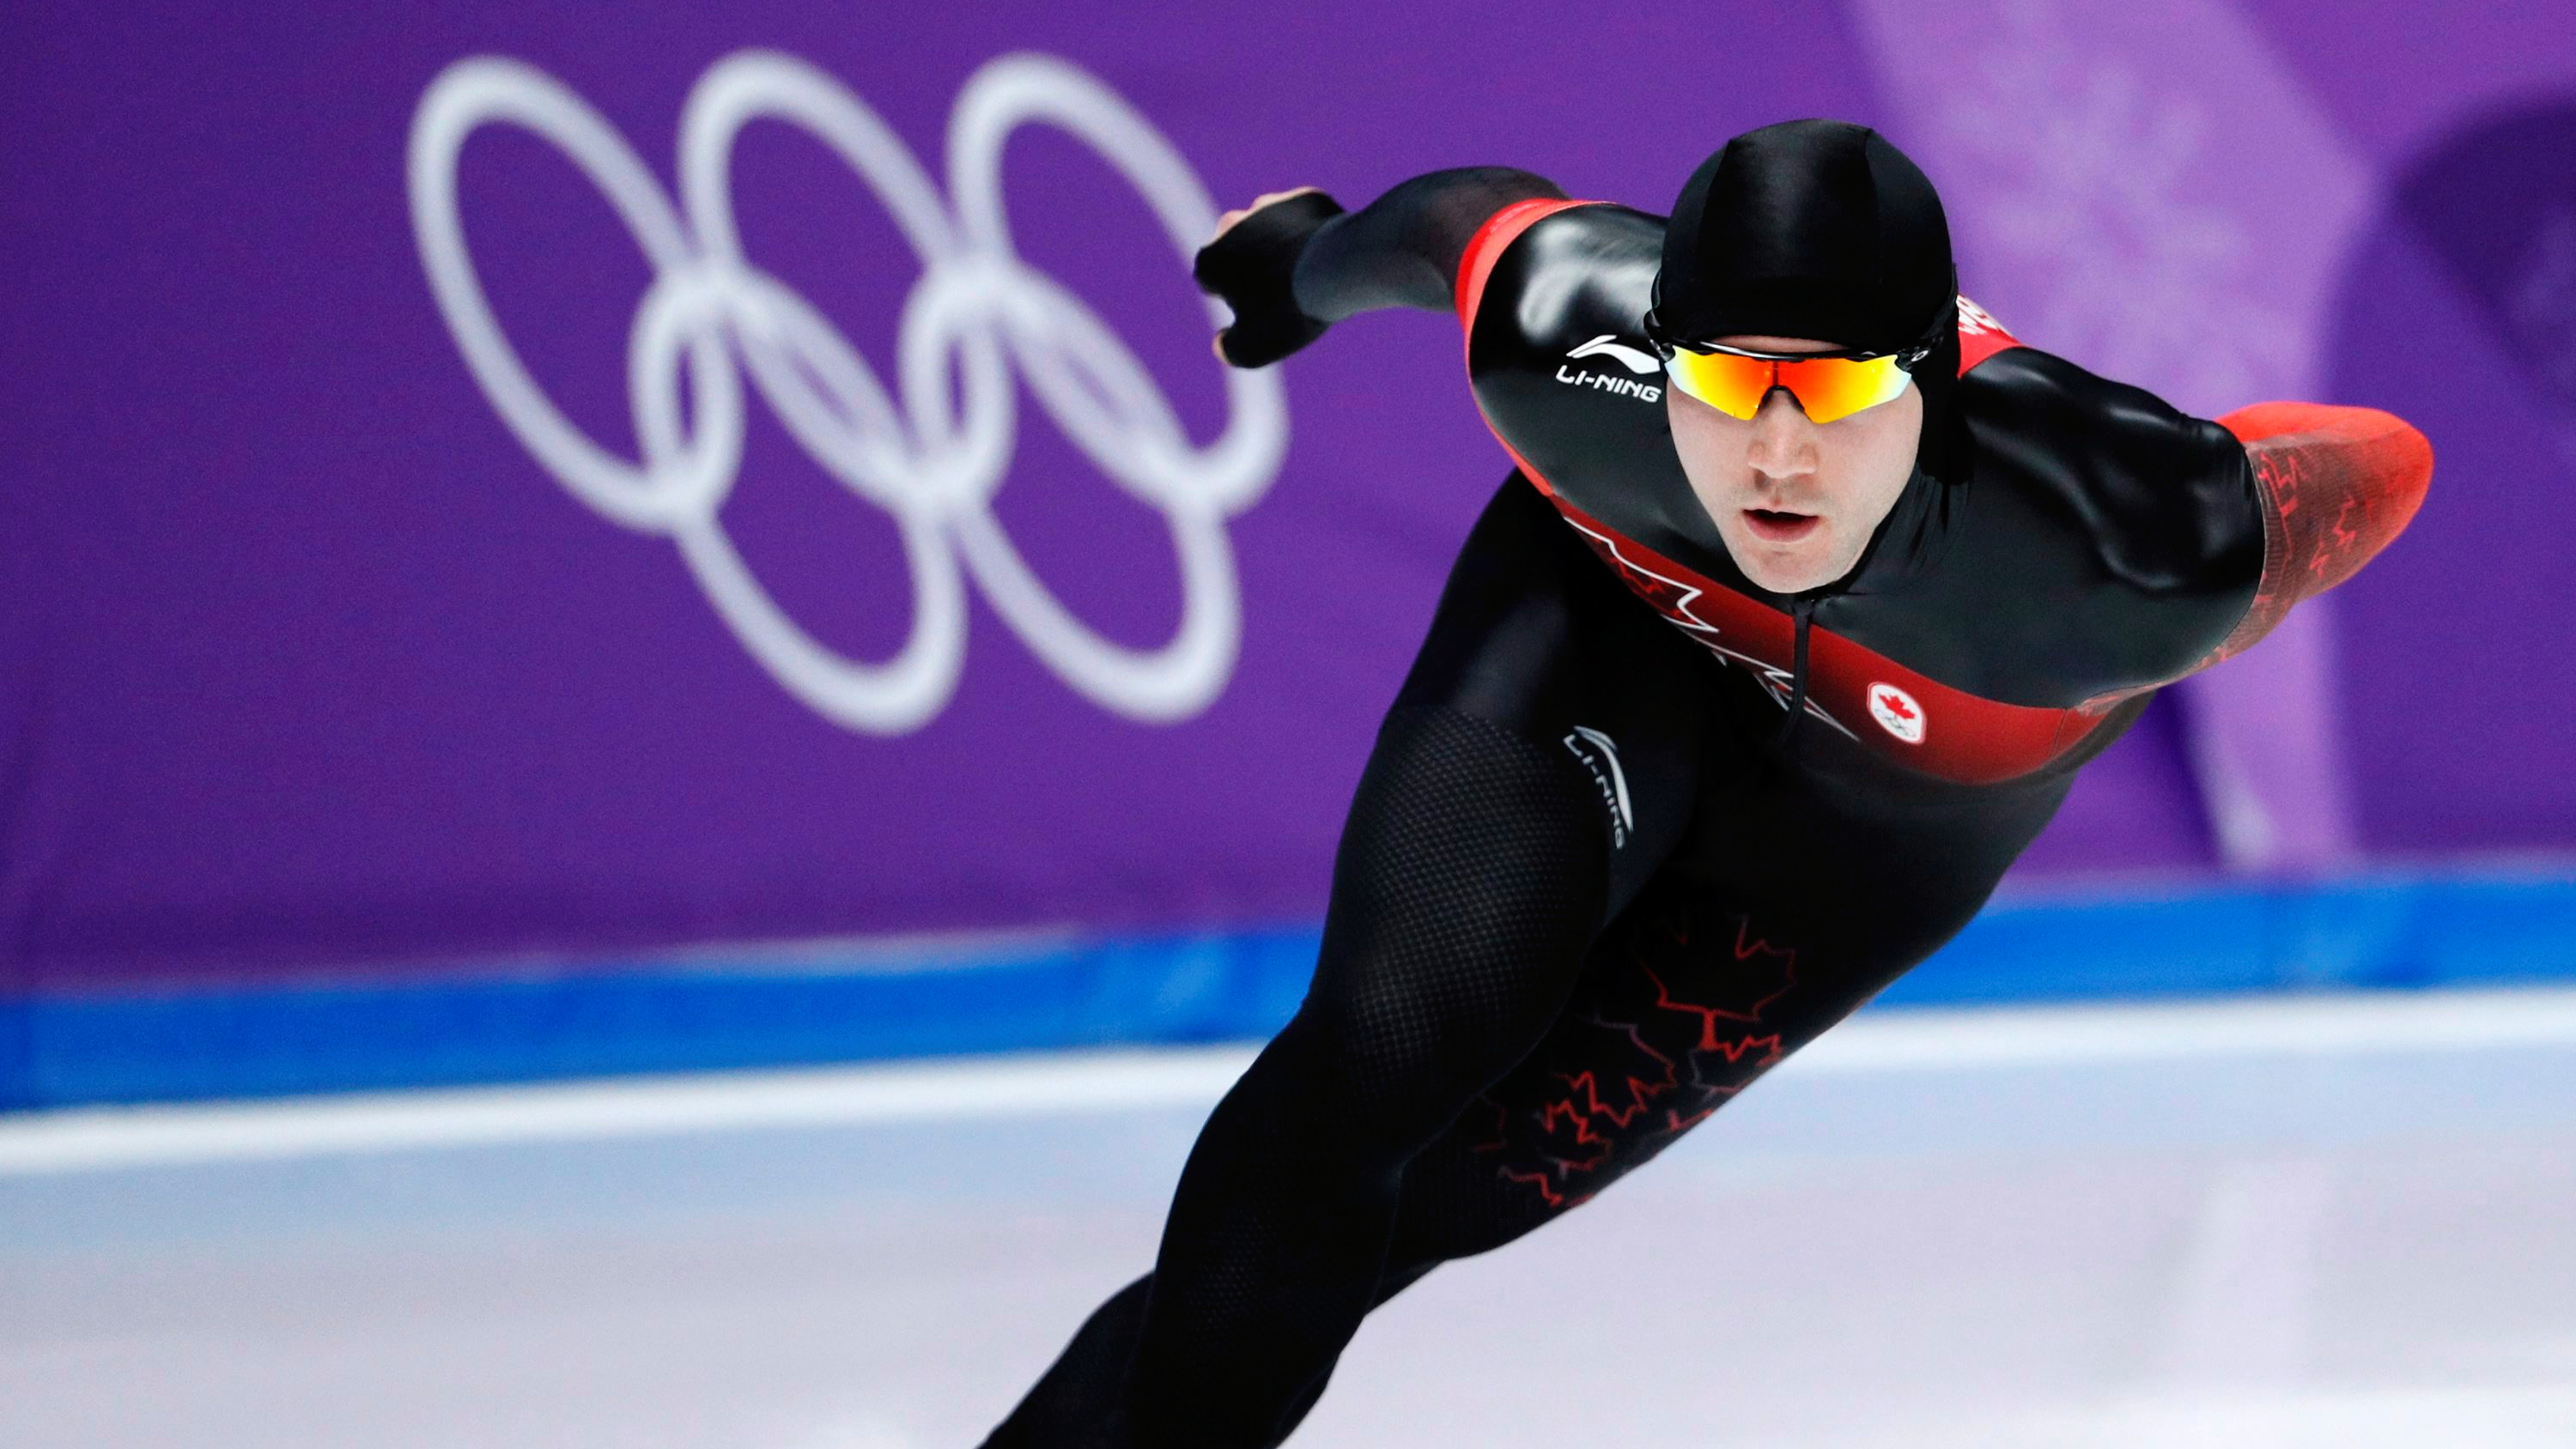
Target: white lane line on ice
(2335, 1025)
(93, 1139)
(72, 1141)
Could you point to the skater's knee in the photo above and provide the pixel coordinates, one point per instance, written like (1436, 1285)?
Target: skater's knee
(1384, 1084)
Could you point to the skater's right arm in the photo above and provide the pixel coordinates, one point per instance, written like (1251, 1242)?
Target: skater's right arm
(1295, 262)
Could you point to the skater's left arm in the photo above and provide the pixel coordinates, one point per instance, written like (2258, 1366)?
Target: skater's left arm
(2334, 485)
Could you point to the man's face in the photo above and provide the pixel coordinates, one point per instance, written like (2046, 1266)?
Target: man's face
(1795, 502)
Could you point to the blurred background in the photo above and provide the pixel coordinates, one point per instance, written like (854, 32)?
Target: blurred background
(662, 730)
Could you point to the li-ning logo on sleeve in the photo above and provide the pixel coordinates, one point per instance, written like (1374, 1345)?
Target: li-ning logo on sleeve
(1611, 382)
(1601, 757)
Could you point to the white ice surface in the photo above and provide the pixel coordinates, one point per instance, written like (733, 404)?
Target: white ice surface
(2346, 1223)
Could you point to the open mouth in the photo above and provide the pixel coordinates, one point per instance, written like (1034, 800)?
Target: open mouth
(1771, 525)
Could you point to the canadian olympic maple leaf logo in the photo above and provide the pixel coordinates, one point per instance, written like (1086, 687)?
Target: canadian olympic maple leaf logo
(1896, 712)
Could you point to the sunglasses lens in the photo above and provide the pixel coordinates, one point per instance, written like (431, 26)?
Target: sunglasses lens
(1837, 387)
(1732, 385)
(1826, 389)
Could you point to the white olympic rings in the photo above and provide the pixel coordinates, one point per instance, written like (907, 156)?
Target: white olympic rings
(933, 462)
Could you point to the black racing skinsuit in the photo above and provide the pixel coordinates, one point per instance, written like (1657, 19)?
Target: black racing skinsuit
(1592, 884)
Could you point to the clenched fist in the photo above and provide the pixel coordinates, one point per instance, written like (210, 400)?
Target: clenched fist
(1251, 261)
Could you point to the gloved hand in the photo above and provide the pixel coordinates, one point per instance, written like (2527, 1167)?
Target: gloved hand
(1250, 263)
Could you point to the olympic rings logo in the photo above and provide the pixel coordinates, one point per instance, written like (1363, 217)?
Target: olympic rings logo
(935, 460)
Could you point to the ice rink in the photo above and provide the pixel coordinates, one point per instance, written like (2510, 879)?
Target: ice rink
(2346, 1223)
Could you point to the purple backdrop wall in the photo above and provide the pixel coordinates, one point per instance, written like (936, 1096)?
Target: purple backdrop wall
(313, 659)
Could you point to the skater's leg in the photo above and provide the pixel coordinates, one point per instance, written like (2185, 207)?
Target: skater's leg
(1481, 855)
(1073, 1402)
(1469, 880)
(1775, 920)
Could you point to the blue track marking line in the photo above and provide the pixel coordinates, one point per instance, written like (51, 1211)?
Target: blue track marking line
(768, 1008)
(1030, 1085)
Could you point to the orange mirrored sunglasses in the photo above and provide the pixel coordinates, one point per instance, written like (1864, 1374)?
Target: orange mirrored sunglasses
(1827, 386)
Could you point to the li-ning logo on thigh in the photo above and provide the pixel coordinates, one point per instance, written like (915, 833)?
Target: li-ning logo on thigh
(1601, 757)
(935, 461)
